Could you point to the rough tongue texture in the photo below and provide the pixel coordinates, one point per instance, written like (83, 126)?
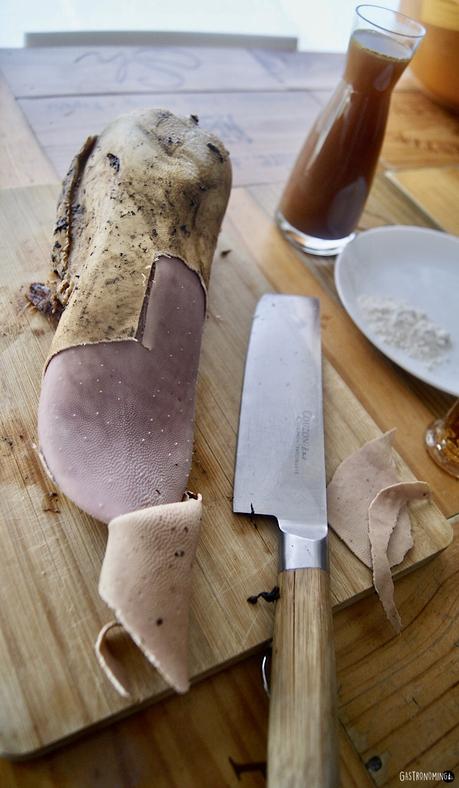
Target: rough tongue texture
(356, 482)
(382, 517)
(146, 580)
(115, 420)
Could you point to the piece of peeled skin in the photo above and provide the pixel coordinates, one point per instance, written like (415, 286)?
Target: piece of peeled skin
(115, 420)
(383, 514)
(356, 482)
(146, 580)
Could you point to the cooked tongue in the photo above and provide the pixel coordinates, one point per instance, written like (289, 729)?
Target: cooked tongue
(137, 225)
(116, 434)
(115, 419)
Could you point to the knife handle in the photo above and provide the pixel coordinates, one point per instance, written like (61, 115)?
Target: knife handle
(302, 737)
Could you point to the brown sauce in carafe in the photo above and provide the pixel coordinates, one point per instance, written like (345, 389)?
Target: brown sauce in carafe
(331, 179)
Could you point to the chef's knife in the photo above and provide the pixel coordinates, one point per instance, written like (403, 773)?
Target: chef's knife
(280, 471)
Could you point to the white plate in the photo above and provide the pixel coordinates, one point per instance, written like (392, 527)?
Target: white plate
(414, 265)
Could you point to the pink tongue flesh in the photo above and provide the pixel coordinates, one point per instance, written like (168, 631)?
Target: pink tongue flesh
(115, 421)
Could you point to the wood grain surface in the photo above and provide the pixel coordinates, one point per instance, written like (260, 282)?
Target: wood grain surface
(65, 71)
(264, 130)
(216, 735)
(22, 162)
(398, 695)
(55, 551)
(397, 704)
(435, 189)
(419, 132)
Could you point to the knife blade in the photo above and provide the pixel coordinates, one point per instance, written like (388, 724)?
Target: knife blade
(280, 471)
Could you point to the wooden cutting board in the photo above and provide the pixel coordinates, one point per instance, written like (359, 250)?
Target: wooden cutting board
(51, 687)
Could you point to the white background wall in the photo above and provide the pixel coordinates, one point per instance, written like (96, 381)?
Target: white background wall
(321, 25)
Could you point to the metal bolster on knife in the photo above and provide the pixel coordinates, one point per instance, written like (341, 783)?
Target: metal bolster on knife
(299, 552)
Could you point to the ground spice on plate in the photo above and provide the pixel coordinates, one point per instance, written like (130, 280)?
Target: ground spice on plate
(407, 328)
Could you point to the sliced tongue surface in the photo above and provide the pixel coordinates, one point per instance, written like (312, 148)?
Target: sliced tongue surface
(116, 418)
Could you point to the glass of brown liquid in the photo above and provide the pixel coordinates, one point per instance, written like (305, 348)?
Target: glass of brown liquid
(442, 441)
(329, 184)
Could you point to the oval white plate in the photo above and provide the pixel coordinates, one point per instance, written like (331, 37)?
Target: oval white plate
(414, 265)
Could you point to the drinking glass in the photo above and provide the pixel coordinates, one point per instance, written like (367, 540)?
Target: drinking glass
(329, 184)
(442, 441)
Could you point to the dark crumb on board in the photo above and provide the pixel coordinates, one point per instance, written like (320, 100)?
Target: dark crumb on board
(215, 150)
(50, 502)
(252, 520)
(268, 596)
(7, 440)
(61, 224)
(179, 553)
(225, 252)
(252, 766)
(159, 621)
(114, 161)
(195, 119)
(42, 298)
(374, 764)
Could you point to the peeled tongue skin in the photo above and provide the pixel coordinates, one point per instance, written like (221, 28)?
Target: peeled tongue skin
(146, 580)
(115, 420)
(367, 509)
(356, 482)
(382, 519)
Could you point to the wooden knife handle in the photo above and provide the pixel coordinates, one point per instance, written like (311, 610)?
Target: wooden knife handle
(302, 738)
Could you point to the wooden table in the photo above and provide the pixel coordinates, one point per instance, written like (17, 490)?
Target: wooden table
(398, 696)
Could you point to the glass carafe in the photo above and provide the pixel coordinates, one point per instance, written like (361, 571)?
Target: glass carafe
(329, 184)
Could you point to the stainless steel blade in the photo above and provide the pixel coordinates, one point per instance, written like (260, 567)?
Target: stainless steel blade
(280, 468)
